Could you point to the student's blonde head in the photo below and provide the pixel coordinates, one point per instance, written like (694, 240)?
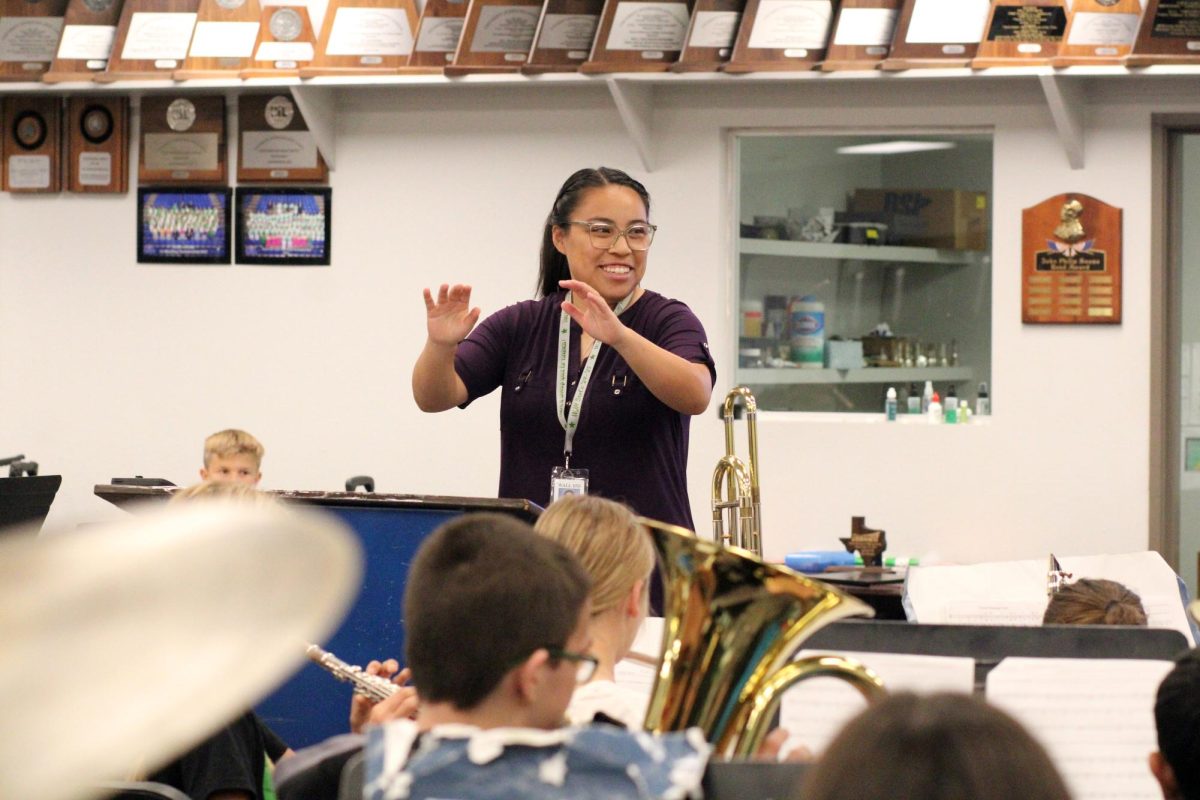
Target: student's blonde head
(232, 442)
(607, 539)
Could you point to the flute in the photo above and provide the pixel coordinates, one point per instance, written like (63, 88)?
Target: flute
(374, 687)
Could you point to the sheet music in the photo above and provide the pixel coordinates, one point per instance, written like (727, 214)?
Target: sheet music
(648, 642)
(1094, 716)
(814, 711)
(1014, 592)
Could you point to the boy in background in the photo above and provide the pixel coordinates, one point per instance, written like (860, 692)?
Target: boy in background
(232, 456)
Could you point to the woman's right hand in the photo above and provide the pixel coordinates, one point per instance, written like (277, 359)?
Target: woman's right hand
(450, 318)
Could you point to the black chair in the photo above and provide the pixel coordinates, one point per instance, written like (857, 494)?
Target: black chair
(141, 790)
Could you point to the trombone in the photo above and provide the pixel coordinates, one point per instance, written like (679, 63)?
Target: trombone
(736, 505)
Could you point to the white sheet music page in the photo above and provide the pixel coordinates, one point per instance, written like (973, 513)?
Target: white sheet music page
(1148, 575)
(648, 642)
(1014, 592)
(815, 710)
(1094, 716)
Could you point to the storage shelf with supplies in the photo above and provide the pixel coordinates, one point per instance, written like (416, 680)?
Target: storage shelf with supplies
(830, 326)
(886, 375)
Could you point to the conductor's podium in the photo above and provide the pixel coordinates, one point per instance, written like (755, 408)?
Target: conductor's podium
(312, 705)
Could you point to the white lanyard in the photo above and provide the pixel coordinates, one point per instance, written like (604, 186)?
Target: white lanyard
(570, 419)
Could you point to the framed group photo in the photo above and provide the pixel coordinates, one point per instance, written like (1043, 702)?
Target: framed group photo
(179, 225)
(283, 226)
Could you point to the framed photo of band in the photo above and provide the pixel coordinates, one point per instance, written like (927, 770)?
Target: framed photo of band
(284, 226)
(183, 225)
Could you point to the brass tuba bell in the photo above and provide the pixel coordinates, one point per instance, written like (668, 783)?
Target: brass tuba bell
(737, 514)
(731, 625)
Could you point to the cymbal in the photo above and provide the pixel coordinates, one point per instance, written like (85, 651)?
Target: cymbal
(122, 646)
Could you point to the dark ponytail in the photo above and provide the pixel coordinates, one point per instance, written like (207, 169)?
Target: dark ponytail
(553, 264)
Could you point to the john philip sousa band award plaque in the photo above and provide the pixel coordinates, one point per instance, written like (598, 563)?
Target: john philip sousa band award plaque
(97, 144)
(1071, 261)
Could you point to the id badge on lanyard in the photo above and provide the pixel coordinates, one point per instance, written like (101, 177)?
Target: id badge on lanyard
(566, 480)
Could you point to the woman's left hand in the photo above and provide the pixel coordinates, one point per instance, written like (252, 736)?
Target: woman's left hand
(590, 310)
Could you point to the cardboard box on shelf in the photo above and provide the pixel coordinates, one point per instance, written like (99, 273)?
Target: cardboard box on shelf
(945, 218)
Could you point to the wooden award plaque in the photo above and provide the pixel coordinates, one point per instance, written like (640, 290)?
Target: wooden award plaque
(1169, 34)
(364, 37)
(564, 36)
(711, 35)
(223, 44)
(97, 135)
(782, 35)
(438, 33)
(862, 34)
(497, 36)
(152, 40)
(31, 144)
(274, 143)
(639, 36)
(1022, 33)
(286, 42)
(1071, 261)
(937, 33)
(29, 34)
(1098, 32)
(183, 140)
(87, 39)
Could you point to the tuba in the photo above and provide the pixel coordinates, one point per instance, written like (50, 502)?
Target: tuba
(739, 508)
(731, 625)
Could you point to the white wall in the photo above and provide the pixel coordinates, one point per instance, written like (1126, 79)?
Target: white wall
(110, 368)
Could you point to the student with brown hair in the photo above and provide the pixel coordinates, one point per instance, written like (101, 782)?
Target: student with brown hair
(939, 747)
(1094, 601)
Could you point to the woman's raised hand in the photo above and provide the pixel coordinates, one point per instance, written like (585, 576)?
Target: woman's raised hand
(590, 310)
(450, 318)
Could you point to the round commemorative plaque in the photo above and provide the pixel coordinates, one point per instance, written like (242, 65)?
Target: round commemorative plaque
(29, 129)
(230, 5)
(286, 25)
(98, 6)
(279, 112)
(96, 124)
(181, 114)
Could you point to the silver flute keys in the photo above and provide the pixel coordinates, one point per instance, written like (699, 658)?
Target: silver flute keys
(373, 686)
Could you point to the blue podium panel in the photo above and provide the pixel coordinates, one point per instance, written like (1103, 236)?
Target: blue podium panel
(313, 705)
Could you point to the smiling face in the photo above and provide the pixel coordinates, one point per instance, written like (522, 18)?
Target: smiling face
(615, 271)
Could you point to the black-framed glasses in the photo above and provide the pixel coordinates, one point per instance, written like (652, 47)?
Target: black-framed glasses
(604, 235)
(585, 665)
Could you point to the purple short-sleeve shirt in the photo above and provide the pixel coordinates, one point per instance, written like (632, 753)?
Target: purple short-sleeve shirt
(633, 445)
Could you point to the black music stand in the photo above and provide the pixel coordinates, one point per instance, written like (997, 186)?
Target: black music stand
(990, 644)
(26, 501)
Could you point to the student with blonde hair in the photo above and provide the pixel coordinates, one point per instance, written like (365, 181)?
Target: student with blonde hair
(618, 555)
(232, 456)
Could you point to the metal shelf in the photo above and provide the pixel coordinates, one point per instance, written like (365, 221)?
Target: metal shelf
(769, 376)
(860, 252)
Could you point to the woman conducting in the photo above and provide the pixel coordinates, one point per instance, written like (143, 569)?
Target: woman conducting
(599, 376)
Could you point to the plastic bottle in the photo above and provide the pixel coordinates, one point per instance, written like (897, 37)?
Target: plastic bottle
(914, 398)
(926, 397)
(752, 319)
(951, 406)
(807, 331)
(983, 403)
(935, 409)
(889, 405)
